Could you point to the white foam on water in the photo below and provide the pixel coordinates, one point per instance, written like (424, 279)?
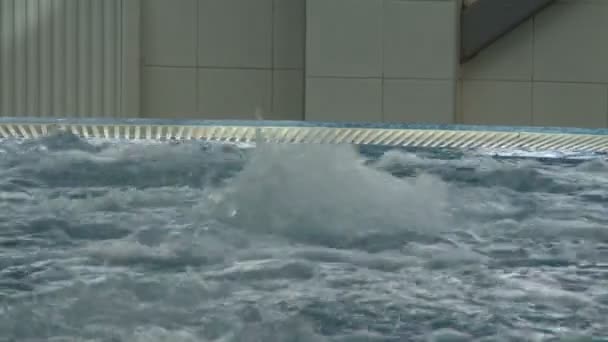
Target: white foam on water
(306, 242)
(326, 193)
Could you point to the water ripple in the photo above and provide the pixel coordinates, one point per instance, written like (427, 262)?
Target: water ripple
(207, 242)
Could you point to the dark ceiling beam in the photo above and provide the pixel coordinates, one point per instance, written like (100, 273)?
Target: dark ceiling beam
(485, 21)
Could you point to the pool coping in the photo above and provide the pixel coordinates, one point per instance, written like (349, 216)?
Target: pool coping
(359, 133)
(286, 123)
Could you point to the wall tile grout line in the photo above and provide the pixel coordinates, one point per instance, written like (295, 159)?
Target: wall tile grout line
(304, 44)
(606, 104)
(26, 67)
(197, 104)
(379, 77)
(13, 59)
(2, 96)
(121, 67)
(272, 59)
(457, 114)
(217, 68)
(504, 80)
(103, 72)
(533, 71)
(382, 52)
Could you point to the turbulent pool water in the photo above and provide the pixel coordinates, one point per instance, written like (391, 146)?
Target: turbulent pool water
(201, 242)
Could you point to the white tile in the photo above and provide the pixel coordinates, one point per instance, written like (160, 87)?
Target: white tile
(570, 42)
(570, 105)
(343, 99)
(289, 33)
(169, 32)
(419, 101)
(344, 38)
(497, 103)
(288, 95)
(168, 92)
(235, 33)
(234, 94)
(509, 58)
(420, 39)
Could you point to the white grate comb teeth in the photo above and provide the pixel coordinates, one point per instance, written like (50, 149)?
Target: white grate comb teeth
(534, 139)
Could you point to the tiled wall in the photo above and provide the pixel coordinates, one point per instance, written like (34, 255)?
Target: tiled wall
(371, 60)
(381, 60)
(223, 58)
(551, 71)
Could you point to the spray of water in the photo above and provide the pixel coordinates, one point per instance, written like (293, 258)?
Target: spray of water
(326, 195)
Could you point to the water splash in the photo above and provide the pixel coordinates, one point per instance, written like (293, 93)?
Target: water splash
(327, 195)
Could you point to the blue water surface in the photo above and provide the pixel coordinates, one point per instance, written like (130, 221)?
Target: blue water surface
(191, 241)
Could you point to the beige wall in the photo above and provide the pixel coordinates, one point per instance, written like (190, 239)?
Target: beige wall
(223, 58)
(335, 60)
(551, 71)
(365, 60)
(371, 60)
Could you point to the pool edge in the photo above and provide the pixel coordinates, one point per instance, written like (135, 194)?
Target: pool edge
(382, 134)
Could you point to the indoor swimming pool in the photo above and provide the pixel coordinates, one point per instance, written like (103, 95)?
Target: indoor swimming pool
(190, 240)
